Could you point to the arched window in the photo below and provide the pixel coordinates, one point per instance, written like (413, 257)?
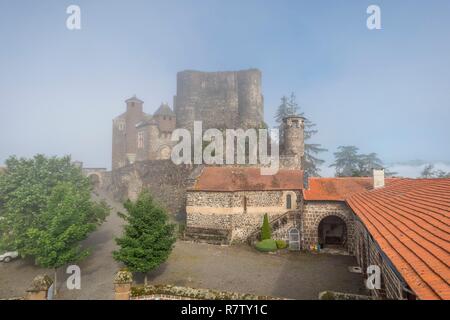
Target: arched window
(288, 201)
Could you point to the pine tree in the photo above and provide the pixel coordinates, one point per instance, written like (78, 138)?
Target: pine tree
(289, 106)
(148, 237)
(266, 232)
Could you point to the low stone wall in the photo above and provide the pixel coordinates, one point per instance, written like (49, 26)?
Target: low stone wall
(169, 292)
(315, 211)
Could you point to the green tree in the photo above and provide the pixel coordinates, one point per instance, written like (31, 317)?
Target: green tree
(349, 163)
(312, 162)
(148, 237)
(346, 161)
(46, 209)
(69, 217)
(266, 231)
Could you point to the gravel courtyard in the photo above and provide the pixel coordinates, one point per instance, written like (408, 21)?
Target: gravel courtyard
(236, 268)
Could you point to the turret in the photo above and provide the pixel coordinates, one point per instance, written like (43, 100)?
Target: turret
(293, 135)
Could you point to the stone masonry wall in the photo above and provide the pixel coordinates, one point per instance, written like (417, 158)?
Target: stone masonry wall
(166, 181)
(315, 211)
(225, 210)
(219, 99)
(368, 253)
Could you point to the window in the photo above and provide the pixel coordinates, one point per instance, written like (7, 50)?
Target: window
(140, 140)
(245, 204)
(121, 125)
(288, 201)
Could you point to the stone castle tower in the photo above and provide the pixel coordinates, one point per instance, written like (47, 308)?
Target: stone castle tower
(220, 100)
(293, 142)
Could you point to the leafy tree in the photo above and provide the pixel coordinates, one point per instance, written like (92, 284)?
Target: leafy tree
(266, 231)
(46, 209)
(68, 218)
(148, 237)
(289, 106)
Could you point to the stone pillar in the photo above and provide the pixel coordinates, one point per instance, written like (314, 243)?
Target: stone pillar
(122, 285)
(39, 288)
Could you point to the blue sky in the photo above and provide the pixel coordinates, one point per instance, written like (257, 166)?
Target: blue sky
(385, 91)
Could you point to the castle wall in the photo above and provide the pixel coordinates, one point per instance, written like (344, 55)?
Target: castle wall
(119, 143)
(166, 181)
(219, 99)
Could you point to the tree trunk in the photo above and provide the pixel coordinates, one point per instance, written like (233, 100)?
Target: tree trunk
(145, 279)
(54, 284)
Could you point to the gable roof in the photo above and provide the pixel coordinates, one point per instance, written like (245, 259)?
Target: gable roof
(231, 179)
(410, 221)
(338, 189)
(134, 99)
(164, 110)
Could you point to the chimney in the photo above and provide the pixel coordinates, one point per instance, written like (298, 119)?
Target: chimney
(378, 178)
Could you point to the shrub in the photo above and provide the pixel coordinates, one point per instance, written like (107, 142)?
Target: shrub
(266, 232)
(267, 245)
(281, 244)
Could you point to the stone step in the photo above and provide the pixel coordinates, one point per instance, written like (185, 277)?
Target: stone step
(212, 236)
(211, 231)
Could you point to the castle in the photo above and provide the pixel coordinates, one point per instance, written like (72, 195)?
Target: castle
(226, 204)
(221, 100)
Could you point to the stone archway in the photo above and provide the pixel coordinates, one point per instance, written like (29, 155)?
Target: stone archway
(332, 233)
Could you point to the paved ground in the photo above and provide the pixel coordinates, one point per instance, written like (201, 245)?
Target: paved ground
(236, 268)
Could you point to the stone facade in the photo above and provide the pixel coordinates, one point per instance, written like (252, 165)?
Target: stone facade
(368, 253)
(166, 181)
(241, 212)
(222, 100)
(315, 211)
(138, 136)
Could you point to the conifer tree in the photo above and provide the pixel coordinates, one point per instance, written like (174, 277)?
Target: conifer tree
(266, 232)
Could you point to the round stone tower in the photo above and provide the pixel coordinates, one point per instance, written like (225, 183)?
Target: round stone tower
(293, 136)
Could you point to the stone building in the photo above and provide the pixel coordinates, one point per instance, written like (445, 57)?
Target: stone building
(403, 228)
(138, 136)
(222, 100)
(227, 204)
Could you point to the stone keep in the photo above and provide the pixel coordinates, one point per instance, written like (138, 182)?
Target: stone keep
(220, 100)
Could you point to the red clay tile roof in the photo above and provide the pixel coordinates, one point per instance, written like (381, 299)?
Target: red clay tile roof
(338, 189)
(247, 179)
(410, 220)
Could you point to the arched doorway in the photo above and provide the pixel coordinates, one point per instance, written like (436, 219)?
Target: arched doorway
(332, 233)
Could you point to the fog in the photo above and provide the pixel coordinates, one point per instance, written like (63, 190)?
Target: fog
(385, 91)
